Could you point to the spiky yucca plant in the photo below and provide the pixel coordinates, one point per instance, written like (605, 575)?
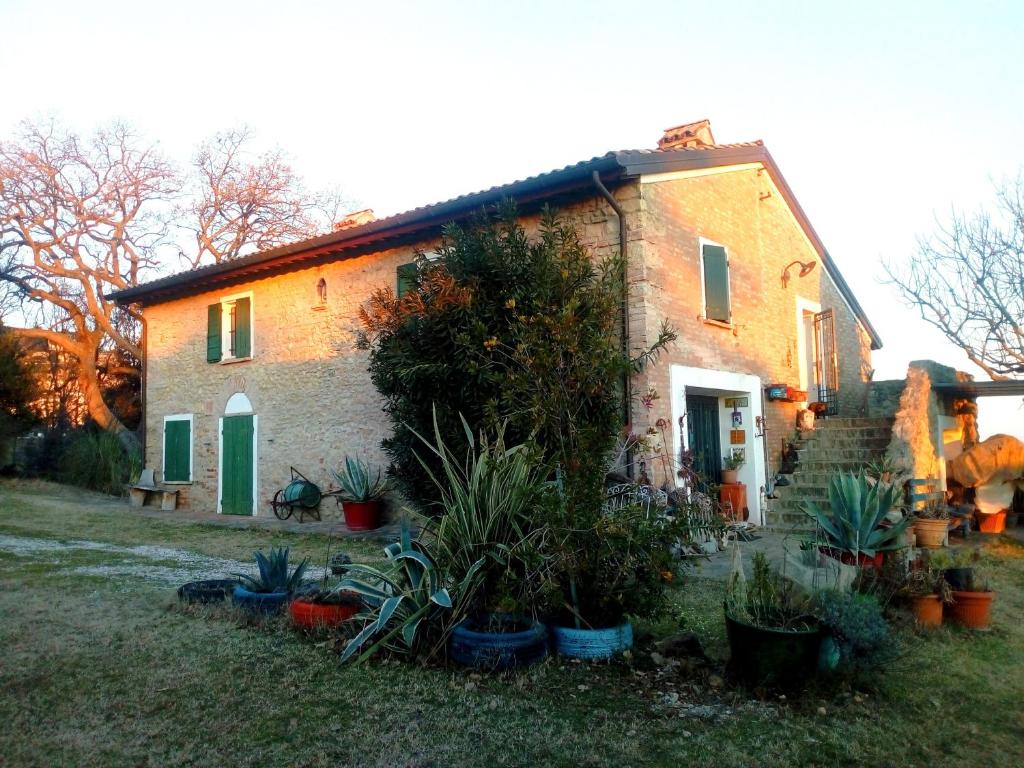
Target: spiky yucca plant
(273, 575)
(858, 509)
(358, 482)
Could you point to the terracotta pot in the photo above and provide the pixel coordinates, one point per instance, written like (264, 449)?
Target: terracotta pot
(992, 523)
(729, 476)
(972, 609)
(306, 615)
(361, 515)
(931, 534)
(927, 610)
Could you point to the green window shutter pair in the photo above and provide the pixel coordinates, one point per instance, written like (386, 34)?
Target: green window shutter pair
(406, 279)
(243, 331)
(717, 304)
(177, 450)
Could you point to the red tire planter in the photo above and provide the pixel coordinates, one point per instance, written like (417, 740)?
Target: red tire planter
(306, 615)
(361, 515)
(972, 609)
(927, 610)
(863, 561)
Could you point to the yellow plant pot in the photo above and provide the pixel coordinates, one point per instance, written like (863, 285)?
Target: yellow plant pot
(931, 534)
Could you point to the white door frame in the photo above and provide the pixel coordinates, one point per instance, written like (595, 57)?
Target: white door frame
(730, 384)
(803, 347)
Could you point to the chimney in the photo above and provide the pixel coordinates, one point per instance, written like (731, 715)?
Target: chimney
(355, 219)
(687, 136)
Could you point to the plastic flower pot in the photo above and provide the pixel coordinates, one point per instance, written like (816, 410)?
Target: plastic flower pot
(482, 644)
(592, 643)
(259, 603)
(774, 658)
(972, 609)
(931, 534)
(207, 591)
(313, 616)
(361, 515)
(993, 522)
(927, 610)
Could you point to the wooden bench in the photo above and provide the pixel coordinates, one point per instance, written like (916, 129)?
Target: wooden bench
(139, 492)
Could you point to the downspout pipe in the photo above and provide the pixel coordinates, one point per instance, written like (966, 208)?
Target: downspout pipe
(627, 380)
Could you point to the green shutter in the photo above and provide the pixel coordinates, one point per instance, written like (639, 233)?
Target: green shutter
(177, 439)
(406, 279)
(243, 328)
(213, 354)
(716, 284)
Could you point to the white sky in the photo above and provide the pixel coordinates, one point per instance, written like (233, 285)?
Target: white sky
(881, 115)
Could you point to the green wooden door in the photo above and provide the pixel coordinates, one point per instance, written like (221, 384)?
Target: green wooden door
(704, 437)
(237, 465)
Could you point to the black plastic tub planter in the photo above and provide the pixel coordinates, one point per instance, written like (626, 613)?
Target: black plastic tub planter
(773, 658)
(260, 603)
(602, 643)
(497, 642)
(207, 591)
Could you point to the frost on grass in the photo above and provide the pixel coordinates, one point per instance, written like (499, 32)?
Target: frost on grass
(144, 561)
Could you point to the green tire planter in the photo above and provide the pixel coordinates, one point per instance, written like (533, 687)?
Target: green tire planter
(772, 658)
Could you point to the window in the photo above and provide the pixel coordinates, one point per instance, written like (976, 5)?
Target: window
(229, 329)
(714, 265)
(406, 281)
(178, 448)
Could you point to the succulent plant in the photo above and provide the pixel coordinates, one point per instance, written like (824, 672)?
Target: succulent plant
(358, 482)
(273, 574)
(857, 510)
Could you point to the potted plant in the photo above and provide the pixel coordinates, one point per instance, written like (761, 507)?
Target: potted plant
(270, 589)
(955, 565)
(605, 568)
(972, 606)
(489, 530)
(931, 525)
(856, 526)
(731, 464)
(361, 494)
(774, 637)
(926, 591)
(856, 637)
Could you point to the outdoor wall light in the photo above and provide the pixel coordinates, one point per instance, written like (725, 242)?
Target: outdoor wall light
(805, 269)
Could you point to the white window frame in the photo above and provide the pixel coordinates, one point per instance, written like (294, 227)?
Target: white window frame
(701, 242)
(226, 303)
(191, 448)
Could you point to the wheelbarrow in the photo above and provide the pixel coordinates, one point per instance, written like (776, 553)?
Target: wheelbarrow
(301, 494)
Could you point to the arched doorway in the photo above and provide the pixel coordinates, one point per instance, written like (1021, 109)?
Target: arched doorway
(237, 476)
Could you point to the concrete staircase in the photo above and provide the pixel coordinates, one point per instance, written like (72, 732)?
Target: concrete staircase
(836, 444)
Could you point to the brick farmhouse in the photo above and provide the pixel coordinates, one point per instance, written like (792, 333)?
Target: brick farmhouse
(251, 365)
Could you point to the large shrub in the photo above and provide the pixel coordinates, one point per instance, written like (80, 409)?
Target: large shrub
(96, 459)
(507, 330)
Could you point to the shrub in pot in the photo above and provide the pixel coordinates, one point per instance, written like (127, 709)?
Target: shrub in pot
(926, 591)
(931, 525)
(956, 566)
(361, 494)
(972, 606)
(856, 527)
(774, 636)
(270, 589)
(731, 464)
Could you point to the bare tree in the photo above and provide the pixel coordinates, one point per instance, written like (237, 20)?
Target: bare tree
(78, 220)
(968, 281)
(247, 203)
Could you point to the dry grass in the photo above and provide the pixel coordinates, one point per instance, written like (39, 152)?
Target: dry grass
(100, 671)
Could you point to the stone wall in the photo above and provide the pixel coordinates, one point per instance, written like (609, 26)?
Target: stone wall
(309, 385)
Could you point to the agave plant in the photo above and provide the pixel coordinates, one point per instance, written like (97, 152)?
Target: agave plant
(273, 575)
(857, 511)
(400, 600)
(357, 481)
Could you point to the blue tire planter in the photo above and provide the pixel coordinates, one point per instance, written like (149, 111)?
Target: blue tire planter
(498, 650)
(260, 603)
(593, 643)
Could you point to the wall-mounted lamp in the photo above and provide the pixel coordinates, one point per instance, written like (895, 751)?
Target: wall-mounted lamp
(805, 269)
(321, 290)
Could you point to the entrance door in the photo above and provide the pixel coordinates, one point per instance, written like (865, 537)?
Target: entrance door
(704, 437)
(827, 373)
(237, 465)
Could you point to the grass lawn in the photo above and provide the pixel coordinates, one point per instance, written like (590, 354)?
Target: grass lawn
(100, 667)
